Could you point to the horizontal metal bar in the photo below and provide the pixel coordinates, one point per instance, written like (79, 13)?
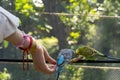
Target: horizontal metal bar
(14, 60)
(79, 61)
(97, 61)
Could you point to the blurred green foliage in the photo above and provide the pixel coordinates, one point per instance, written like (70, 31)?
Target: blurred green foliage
(5, 75)
(72, 73)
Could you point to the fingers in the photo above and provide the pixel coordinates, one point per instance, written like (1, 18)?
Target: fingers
(48, 57)
(40, 63)
(48, 69)
(52, 67)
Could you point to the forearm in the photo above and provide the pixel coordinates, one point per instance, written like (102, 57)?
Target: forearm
(16, 38)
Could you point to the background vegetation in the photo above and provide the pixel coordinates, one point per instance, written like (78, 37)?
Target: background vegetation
(59, 24)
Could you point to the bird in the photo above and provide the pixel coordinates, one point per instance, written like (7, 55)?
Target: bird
(64, 56)
(88, 53)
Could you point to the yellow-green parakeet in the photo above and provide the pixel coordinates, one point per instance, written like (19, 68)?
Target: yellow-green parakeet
(88, 53)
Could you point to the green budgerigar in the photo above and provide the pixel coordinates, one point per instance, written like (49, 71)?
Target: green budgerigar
(89, 53)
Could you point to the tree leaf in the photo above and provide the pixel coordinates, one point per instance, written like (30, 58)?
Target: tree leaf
(5, 43)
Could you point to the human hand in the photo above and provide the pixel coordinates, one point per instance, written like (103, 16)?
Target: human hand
(39, 59)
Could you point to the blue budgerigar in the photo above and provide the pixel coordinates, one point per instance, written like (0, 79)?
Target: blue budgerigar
(63, 58)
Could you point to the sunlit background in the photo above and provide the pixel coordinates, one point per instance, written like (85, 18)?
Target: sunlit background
(59, 24)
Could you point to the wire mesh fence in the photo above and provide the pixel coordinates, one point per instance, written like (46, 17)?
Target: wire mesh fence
(75, 71)
(15, 72)
(92, 71)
